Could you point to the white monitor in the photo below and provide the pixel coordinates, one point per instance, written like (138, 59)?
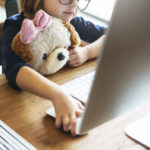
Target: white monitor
(122, 78)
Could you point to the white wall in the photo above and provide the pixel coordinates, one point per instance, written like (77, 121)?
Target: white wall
(2, 14)
(101, 8)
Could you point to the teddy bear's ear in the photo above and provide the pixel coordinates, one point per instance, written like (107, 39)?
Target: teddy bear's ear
(22, 50)
(75, 39)
(31, 28)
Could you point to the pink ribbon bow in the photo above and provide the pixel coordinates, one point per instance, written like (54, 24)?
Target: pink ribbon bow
(30, 28)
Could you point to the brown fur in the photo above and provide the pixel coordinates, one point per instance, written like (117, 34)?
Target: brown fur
(83, 43)
(75, 39)
(22, 50)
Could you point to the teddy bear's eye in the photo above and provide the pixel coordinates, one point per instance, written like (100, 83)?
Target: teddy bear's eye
(44, 56)
(65, 46)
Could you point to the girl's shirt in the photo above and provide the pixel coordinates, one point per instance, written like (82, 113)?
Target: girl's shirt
(11, 63)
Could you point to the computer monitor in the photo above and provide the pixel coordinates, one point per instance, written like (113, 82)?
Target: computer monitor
(122, 78)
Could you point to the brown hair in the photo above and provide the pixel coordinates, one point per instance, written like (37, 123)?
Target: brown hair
(30, 7)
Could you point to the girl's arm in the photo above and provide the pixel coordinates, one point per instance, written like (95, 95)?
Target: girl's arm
(79, 55)
(94, 48)
(67, 108)
(20, 75)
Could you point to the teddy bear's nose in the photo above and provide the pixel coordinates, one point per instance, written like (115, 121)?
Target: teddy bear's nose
(44, 56)
(61, 56)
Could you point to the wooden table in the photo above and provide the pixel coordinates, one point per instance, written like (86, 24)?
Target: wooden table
(25, 113)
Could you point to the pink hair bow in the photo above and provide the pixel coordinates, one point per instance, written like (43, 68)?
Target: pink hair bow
(30, 28)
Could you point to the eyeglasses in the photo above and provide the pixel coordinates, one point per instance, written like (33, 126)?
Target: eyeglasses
(82, 4)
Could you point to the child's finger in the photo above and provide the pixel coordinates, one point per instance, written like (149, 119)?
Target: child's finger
(58, 122)
(72, 58)
(73, 124)
(81, 106)
(71, 52)
(75, 65)
(79, 113)
(66, 123)
(73, 62)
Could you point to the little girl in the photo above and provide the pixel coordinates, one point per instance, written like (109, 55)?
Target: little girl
(22, 76)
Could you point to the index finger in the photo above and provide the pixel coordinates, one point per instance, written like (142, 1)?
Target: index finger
(73, 124)
(71, 52)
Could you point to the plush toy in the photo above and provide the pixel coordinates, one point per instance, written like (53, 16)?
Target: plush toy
(44, 41)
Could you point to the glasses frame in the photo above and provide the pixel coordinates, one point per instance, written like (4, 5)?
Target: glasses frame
(71, 1)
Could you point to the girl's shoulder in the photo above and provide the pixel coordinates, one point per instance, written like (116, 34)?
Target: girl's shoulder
(11, 27)
(77, 20)
(14, 21)
(87, 30)
(80, 22)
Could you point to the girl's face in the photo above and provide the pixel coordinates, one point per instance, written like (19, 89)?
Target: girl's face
(65, 12)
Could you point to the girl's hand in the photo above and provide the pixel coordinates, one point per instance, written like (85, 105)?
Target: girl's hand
(77, 56)
(67, 110)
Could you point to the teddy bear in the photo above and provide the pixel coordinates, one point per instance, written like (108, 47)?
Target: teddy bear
(44, 42)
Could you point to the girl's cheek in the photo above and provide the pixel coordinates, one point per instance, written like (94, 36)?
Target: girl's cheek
(75, 11)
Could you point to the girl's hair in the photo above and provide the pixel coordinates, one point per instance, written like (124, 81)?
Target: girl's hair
(30, 6)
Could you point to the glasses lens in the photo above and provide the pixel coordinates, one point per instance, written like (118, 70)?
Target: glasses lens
(65, 2)
(83, 4)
